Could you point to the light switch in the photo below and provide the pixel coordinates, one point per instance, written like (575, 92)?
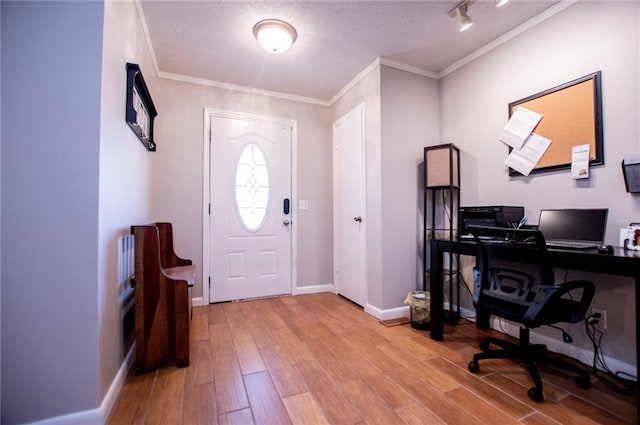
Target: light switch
(303, 204)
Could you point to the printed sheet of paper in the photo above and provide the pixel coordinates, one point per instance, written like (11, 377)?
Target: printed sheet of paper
(523, 160)
(519, 127)
(580, 162)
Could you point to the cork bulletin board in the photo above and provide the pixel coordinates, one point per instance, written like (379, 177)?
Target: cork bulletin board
(571, 115)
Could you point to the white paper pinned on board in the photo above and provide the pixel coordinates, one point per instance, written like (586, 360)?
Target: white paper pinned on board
(580, 162)
(519, 127)
(523, 160)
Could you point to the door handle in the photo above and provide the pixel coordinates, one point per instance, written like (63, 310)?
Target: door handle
(286, 222)
(357, 219)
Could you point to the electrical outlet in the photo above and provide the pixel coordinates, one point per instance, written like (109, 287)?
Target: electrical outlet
(602, 320)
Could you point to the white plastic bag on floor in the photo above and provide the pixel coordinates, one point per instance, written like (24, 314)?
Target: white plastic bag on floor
(419, 305)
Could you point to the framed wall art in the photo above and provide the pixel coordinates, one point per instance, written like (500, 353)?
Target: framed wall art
(139, 109)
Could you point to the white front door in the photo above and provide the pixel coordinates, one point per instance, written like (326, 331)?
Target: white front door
(350, 222)
(250, 227)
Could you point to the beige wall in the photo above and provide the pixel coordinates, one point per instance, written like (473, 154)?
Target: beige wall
(125, 173)
(178, 170)
(586, 37)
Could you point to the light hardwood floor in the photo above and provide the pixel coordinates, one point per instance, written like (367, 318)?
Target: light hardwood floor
(318, 359)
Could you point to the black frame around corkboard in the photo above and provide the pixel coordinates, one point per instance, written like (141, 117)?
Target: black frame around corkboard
(571, 115)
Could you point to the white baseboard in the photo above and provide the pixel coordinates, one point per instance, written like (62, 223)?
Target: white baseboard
(398, 312)
(87, 417)
(312, 289)
(387, 314)
(99, 415)
(118, 382)
(301, 290)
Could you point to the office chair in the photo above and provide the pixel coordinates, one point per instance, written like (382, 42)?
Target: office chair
(506, 287)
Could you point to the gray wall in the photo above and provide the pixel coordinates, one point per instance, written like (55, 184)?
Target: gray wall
(367, 91)
(585, 37)
(410, 119)
(401, 117)
(51, 71)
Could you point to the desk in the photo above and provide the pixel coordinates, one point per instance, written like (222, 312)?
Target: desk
(621, 263)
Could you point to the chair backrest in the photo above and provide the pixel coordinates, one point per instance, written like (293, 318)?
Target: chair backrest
(514, 279)
(511, 266)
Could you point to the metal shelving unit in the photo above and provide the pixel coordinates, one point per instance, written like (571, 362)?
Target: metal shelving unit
(441, 204)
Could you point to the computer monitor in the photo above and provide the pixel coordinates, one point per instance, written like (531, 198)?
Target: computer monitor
(586, 225)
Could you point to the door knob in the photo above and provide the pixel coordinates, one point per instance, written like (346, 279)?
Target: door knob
(286, 222)
(357, 219)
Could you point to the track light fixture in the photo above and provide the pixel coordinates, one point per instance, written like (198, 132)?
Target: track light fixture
(460, 13)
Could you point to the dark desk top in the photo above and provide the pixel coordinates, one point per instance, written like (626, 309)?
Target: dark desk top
(621, 262)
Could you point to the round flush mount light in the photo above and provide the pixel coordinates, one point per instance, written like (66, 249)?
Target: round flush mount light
(274, 35)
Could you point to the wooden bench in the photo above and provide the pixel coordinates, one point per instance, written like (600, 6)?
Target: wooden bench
(170, 262)
(162, 299)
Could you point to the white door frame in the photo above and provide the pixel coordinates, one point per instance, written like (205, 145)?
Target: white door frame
(359, 110)
(206, 172)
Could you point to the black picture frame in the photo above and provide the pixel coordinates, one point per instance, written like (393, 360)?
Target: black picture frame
(571, 115)
(140, 111)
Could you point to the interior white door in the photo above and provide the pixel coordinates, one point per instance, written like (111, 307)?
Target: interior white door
(350, 272)
(250, 230)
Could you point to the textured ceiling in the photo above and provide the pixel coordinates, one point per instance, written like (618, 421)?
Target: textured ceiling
(213, 40)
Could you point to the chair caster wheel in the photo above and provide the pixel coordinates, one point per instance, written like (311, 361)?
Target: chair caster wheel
(473, 366)
(535, 395)
(583, 382)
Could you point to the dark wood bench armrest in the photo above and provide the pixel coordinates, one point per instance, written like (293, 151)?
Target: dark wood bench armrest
(168, 257)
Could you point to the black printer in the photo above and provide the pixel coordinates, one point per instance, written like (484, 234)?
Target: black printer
(498, 216)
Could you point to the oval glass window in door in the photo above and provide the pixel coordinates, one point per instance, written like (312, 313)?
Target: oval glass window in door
(252, 187)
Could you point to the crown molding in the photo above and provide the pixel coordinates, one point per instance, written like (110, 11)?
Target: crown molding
(375, 63)
(245, 89)
(553, 10)
(541, 17)
(409, 68)
(147, 36)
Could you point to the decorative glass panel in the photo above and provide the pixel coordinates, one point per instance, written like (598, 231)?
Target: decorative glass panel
(252, 187)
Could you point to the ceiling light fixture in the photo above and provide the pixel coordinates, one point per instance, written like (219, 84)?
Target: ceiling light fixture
(500, 3)
(460, 12)
(274, 35)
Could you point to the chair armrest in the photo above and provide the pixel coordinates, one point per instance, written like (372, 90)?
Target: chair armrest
(549, 298)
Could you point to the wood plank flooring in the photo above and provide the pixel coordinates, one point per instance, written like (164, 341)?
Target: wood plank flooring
(319, 359)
